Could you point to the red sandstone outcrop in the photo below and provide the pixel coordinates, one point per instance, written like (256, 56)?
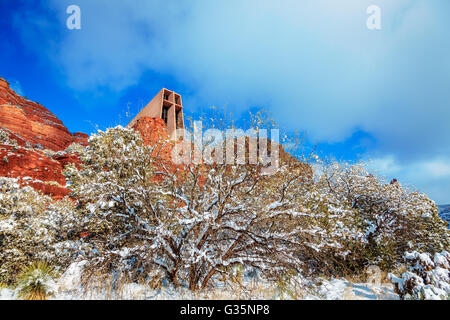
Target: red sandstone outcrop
(34, 123)
(33, 127)
(151, 130)
(81, 138)
(33, 168)
(154, 133)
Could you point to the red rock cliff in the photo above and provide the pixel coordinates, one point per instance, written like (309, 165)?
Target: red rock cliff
(34, 127)
(32, 122)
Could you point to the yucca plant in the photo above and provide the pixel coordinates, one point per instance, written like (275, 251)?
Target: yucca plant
(35, 282)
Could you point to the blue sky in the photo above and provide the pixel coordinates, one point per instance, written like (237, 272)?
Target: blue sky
(359, 94)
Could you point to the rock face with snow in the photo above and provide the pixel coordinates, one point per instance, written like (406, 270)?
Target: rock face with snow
(33, 168)
(34, 123)
(33, 128)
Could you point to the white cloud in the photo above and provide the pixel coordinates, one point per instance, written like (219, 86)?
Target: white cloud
(431, 176)
(313, 63)
(439, 168)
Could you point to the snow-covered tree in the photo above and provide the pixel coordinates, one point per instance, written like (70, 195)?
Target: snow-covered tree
(193, 222)
(33, 228)
(393, 219)
(117, 188)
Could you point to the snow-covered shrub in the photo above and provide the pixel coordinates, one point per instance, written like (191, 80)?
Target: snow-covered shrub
(5, 138)
(36, 282)
(391, 219)
(335, 232)
(32, 228)
(49, 153)
(192, 223)
(428, 276)
(74, 148)
(115, 191)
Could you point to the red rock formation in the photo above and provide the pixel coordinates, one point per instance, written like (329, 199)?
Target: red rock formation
(154, 133)
(151, 129)
(30, 124)
(81, 138)
(69, 158)
(33, 123)
(33, 168)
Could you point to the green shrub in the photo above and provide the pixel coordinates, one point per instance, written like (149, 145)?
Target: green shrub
(33, 227)
(36, 282)
(390, 219)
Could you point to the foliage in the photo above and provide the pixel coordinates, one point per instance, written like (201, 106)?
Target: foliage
(140, 218)
(35, 282)
(387, 219)
(33, 228)
(74, 148)
(5, 138)
(194, 224)
(428, 277)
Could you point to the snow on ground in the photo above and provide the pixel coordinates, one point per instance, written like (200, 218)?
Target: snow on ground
(333, 290)
(69, 288)
(7, 294)
(341, 289)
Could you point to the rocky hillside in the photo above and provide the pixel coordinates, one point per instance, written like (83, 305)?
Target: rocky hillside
(32, 143)
(33, 123)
